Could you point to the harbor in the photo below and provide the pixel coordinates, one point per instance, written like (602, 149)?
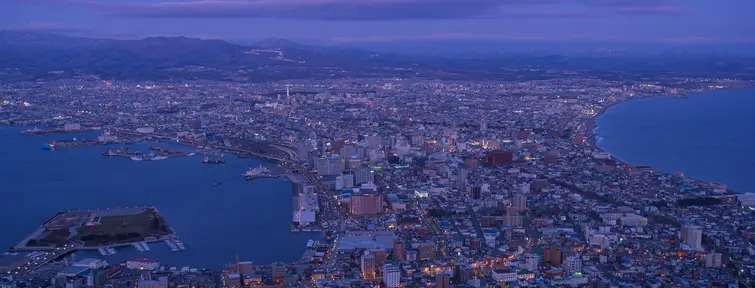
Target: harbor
(182, 187)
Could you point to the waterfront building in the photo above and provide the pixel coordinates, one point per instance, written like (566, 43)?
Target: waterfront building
(142, 264)
(746, 199)
(278, 270)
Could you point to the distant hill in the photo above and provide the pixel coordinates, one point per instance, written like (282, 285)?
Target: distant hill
(35, 55)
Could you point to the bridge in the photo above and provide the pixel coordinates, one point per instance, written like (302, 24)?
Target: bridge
(34, 263)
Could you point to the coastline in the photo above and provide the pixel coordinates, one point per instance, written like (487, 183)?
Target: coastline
(593, 138)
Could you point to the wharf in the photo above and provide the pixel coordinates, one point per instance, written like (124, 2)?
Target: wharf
(41, 132)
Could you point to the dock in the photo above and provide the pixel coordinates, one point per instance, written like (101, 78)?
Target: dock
(42, 132)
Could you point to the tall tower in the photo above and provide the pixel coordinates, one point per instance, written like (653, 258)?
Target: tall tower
(238, 269)
(483, 123)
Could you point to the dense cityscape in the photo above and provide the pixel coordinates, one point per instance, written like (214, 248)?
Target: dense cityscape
(413, 183)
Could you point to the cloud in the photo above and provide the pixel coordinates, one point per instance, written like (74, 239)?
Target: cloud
(51, 27)
(653, 10)
(367, 10)
(534, 38)
(435, 37)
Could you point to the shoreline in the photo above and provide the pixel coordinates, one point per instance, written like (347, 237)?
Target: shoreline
(592, 135)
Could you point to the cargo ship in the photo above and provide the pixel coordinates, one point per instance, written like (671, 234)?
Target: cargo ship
(207, 160)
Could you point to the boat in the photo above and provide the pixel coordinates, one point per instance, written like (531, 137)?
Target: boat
(155, 148)
(109, 153)
(171, 245)
(137, 158)
(180, 245)
(110, 251)
(207, 160)
(103, 251)
(218, 183)
(159, 157)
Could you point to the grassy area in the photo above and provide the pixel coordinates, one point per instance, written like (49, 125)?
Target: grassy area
(119, 229)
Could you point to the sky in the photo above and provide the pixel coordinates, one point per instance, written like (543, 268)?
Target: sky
(374, 21)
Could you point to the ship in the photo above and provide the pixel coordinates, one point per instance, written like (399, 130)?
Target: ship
(137, 158)
(260, 171)
(207, 160)
(49, 146)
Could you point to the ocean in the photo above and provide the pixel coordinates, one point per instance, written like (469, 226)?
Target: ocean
(216, 223)
(707, 136)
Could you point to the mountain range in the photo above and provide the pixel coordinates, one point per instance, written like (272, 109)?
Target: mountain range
(27, 55)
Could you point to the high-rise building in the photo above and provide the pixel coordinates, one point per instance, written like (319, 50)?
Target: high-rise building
(442, 280)
(366, 204)
(380, 256)
(713, 260)
(461, 180)
(363, 175)
(552, 255)
(519, 202)
(329, 165)
(693, 236)
(530, 262)
(345, 180)
(368, 266)
(374, 141)
(349, 151)
(391, 275)
(572, 264)
(475, 192)
(398, 251)
(464, 273)
(498, 158)
(427, 251)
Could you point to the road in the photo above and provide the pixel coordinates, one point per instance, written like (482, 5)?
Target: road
(47, 257)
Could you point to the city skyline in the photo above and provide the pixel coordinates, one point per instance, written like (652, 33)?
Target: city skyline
(661, 22)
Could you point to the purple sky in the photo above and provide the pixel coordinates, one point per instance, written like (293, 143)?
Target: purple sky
(341, 21)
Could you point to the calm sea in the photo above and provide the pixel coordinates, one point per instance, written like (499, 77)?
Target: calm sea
(215, 222)
(708, 136)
